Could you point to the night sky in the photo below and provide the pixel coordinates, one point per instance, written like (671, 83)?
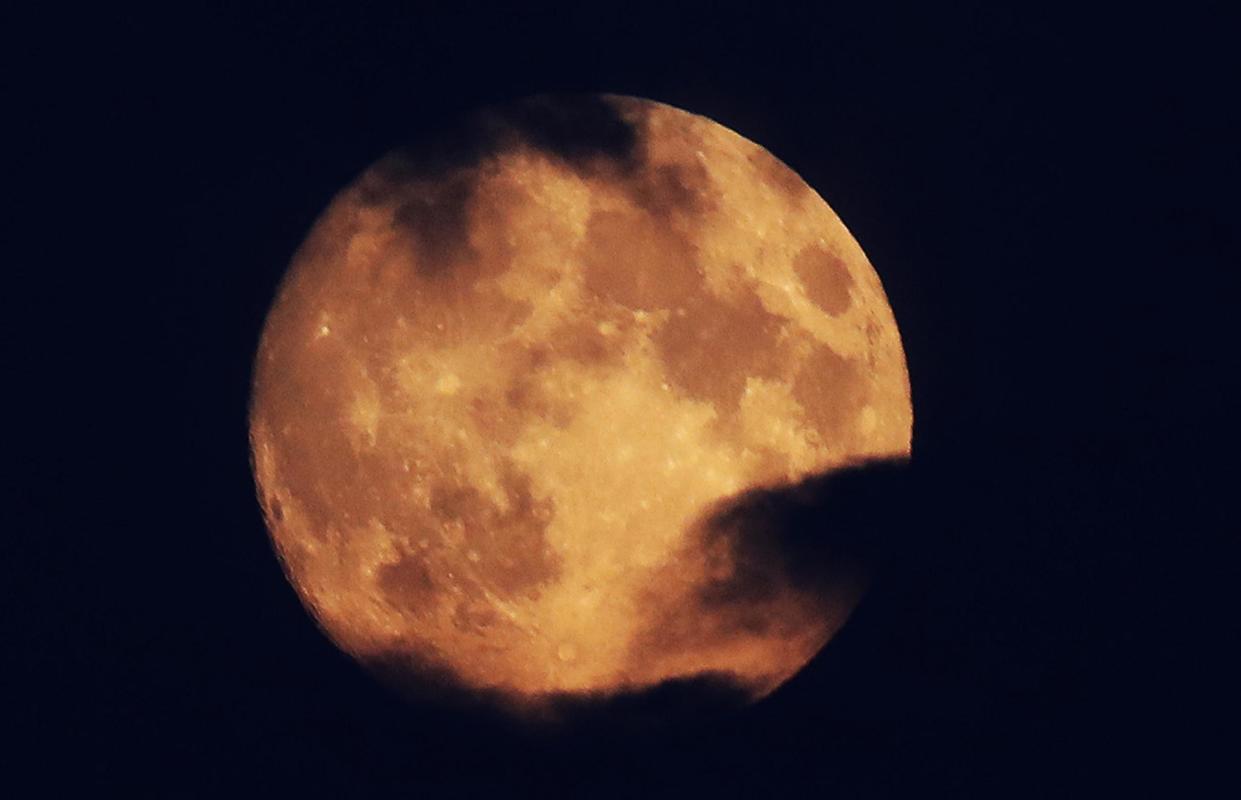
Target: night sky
(1043, 194)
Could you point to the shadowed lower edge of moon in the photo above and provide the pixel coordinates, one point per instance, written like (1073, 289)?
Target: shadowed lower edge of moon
(825, 535)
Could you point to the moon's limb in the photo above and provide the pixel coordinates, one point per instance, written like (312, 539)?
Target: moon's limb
(496, 397)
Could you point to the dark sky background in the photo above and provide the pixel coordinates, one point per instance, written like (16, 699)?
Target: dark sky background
(1044, 194)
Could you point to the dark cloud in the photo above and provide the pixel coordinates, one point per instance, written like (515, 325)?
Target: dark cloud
(689, 699)
(780, 562)
(666, 703)
(435, 178)
(813, 537)
(806, 535)
(424, 679)
(435, 175)
(575, 128)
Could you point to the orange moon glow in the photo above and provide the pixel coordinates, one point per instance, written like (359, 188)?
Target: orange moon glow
(507, 380)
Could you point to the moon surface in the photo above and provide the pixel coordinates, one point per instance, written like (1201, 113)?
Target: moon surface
(513, 375)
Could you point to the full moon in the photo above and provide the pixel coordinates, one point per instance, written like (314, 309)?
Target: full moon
(514, 373)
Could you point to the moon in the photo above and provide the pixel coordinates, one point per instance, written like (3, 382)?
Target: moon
(513, 375)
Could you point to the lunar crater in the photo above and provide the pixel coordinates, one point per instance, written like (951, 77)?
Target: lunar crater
(825, 279)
